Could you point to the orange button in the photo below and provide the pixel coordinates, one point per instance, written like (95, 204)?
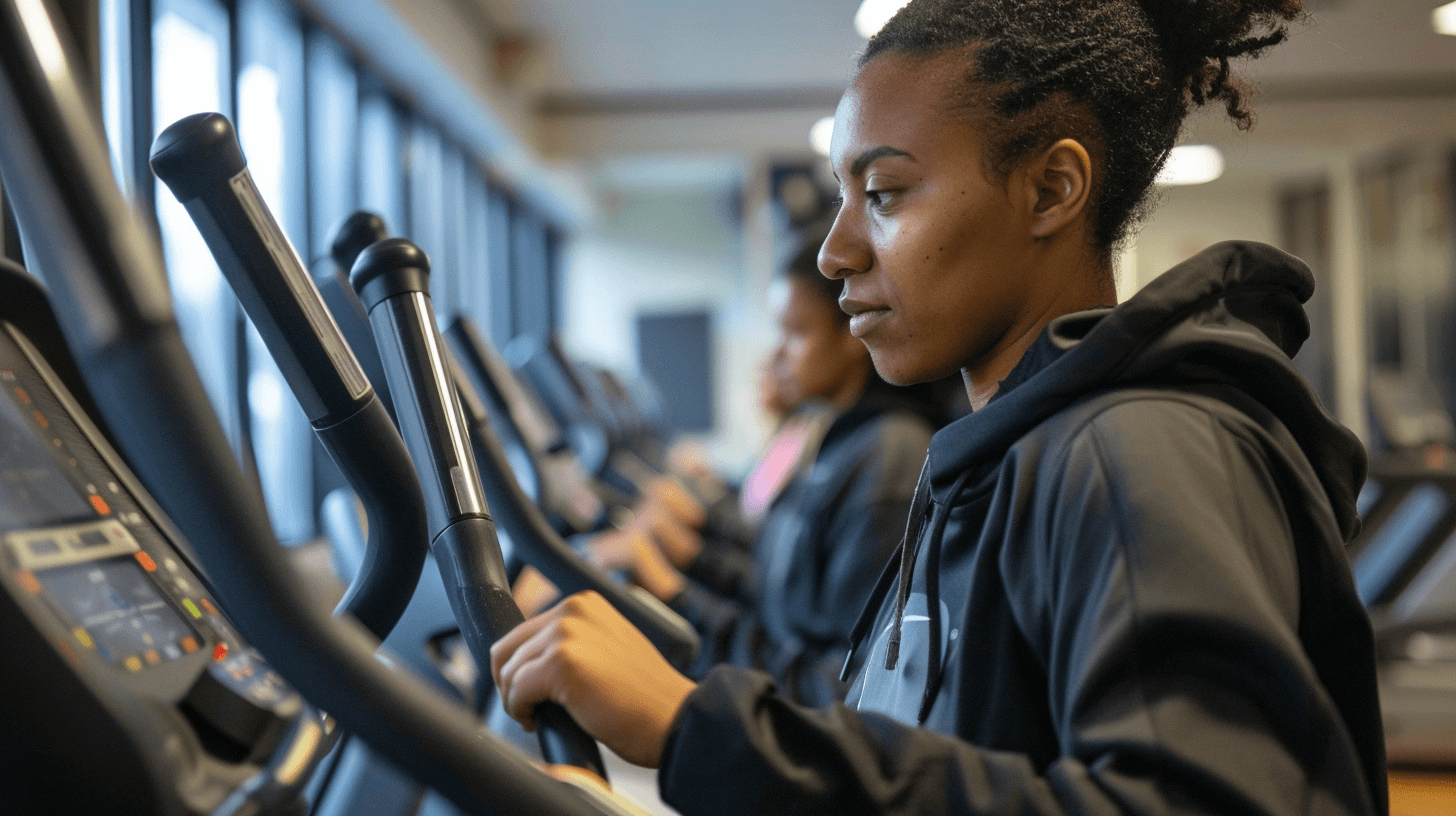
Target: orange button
(152, 657)
(207, 606)
(189, 645)
(40, 418)
(100, 504)
(24, 397)
(146, 561)
(28, 581)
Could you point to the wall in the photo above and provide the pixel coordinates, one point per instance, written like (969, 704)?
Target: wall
(1190, 219)
(660, 251)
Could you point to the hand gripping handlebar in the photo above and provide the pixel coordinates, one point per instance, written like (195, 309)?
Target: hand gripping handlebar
(392, 279)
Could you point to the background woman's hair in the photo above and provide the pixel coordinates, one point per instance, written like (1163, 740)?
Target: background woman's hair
(1117, 75)
(937, 402)
(804, 268)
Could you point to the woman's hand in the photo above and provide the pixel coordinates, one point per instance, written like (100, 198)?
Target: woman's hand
(679, 543)
(533, 592)
(631, 550)
(587, 657)
(652, 571)
(613, 549)
(672, 498)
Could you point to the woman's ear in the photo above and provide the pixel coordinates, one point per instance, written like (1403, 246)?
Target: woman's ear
(1062, 179)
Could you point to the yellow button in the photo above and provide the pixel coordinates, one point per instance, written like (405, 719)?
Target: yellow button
(85, 638)
(192, 607)
(134, 663)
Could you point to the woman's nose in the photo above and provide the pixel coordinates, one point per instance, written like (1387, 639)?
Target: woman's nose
(843, 252)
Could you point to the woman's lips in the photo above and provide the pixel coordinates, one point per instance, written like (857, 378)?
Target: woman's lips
(864, 322)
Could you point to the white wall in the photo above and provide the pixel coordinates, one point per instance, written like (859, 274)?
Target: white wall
(1190, 219)
(670, 251)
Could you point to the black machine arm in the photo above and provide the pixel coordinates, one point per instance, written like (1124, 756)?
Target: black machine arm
(532, 535)
(111, 295)
(392, 279)
(200, 160)
(541, 546)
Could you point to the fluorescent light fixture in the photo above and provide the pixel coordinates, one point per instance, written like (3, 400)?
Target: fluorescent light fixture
(873, 14)
(821, 134)
(1443, 20)
(1191, 164)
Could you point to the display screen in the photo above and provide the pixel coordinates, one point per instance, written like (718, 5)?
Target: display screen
(121, 611)
(33, 490)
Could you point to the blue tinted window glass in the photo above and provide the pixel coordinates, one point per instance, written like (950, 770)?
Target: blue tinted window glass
(190, 74)
(333, 118)
(271, 130)
(381, 160)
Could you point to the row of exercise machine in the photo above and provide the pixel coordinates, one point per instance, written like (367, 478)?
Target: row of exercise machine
(158, 651)
(161, 668)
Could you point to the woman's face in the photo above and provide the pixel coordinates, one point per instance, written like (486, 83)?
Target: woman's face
(933, 254)
(815, 358)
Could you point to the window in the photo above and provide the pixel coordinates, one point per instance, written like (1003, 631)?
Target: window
(381, 158)
(191, 73)
(426, 224)
(270, 129)
(474, 288)
(333, 117)
(448, 284)
(502, 322)
(530, 281)
(323, 136)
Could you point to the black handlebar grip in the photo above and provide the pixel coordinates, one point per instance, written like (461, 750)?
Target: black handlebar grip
(353, 235)
(392, 279)
(541, 546)
(200, 159)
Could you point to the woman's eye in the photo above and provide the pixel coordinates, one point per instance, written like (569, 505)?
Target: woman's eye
(879, 199)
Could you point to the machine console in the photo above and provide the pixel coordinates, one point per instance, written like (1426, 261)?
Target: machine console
(99, 573)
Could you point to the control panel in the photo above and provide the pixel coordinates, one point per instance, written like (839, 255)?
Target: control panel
(99, 573)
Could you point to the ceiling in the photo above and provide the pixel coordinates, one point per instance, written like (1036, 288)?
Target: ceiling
(711, 84)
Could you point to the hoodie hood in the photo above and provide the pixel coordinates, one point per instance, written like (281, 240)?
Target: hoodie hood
(1232, 313)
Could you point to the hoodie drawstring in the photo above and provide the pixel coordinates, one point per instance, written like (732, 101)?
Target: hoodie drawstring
(935, 671)
(909, 548)
(871, 608)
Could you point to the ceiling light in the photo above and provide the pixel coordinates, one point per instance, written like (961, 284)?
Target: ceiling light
(1191, 164)
(1443, 19)
(873, 14)
(821, 134)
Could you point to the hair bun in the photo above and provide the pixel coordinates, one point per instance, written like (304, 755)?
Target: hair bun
(1201, 36)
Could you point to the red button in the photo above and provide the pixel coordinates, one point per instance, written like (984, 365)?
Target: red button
(220, 652)
(28, 581)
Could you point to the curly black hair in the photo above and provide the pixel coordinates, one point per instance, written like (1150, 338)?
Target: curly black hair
(1118, 75)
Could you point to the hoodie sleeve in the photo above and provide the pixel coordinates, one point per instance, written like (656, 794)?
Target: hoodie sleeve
(1151, 564)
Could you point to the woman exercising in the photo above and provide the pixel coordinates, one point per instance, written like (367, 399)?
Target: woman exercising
(1123, 586)
(788, 605)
